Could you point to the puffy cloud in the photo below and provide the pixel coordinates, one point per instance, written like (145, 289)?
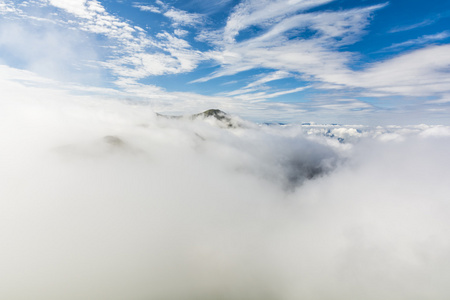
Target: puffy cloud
(82, 8)
(180, 32)
(7, 7)
(183, 18)
(149, 8)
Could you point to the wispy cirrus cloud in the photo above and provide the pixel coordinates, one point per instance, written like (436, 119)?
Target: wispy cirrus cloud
(412, 26)
(260, 83)
(424, 72)
(317, 56)
(310, 56)
(262, 13)
(262, 96)
(345, 105)
(423, 40)
(208, 7)
(268, 78)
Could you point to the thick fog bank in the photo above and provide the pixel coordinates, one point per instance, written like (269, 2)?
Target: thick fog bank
(105, 200)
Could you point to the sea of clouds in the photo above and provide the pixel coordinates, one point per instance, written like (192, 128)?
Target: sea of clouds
(102, 199)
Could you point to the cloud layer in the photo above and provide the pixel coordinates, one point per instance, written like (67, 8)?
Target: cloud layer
(102, 199)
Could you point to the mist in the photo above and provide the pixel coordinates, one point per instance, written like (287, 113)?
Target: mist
(103, 199)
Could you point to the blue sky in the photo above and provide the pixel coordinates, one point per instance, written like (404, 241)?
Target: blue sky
(341, 61)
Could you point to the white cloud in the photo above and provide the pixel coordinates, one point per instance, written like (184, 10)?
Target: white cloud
(180, 32)
(128, 51)
(140, 64)
(183, 18)
(260, 96)
(150, 207)
(144, 65)
(21, 84)
(131, 56)
(149, 8)
(445, 98)
(210, 7)
(178, 57)
(311, 56)
(268, 78)
(252, 12)
(7, 7)
(299, 56)
(259, 83)
(422, 72)
(423, 40)
(87, 9)
(345, 105)
(413, 26)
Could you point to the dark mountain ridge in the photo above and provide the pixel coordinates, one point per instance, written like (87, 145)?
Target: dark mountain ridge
(217, 114)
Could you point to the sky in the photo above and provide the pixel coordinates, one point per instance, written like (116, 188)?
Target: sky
(268, 61)
(101, 198)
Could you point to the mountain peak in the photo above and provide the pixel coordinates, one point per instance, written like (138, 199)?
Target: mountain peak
(217, 114)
